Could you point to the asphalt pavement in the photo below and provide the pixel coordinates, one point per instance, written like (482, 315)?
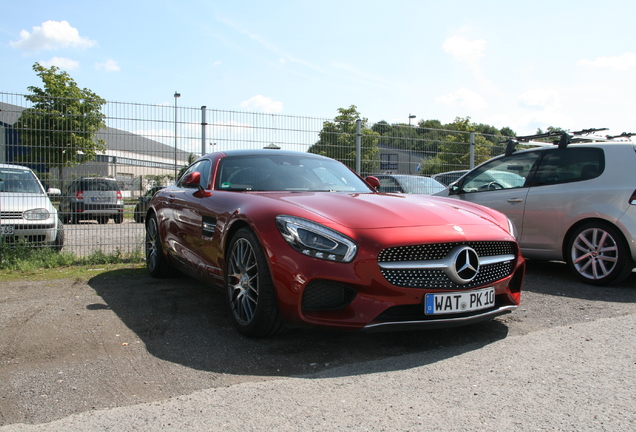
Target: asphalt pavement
(147, 356)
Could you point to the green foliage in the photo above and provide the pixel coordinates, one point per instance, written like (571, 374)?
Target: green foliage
(27, 258)
(337, 140)
(60, 128)
(440, 149)
(191, 159)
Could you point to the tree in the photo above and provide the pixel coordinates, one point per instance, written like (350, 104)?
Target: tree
(454, 151)
(191, 159)
(337, 140)
(59, 129)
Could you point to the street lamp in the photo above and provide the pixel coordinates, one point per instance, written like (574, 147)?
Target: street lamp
(176, 95)
(411, 116)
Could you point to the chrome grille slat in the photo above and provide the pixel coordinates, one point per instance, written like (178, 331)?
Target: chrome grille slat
(407, 266)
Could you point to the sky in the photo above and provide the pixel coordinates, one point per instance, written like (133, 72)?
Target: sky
(523, 64)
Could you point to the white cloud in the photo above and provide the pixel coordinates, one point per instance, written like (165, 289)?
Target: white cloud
(540, 98)
(108, 66)
(465, 98)
(264, 104)
(619, 64)
(62, 63)
(464, 49)
(51, 35)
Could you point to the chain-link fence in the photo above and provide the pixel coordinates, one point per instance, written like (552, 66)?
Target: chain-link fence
(100, 170)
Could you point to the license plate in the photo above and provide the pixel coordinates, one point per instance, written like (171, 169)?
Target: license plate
(100, 199)
(459, 302)
(6, 230)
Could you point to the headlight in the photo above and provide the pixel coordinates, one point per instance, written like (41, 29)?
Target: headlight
(37, 214)
(512, 229)
(315, 240)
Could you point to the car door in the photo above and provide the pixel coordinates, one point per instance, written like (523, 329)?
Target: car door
(558, 196)
(501, 184)
(186, 214)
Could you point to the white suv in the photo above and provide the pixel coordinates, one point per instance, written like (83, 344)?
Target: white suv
(575, 202)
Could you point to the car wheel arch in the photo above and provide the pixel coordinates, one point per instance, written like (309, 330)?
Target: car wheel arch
(570, 232)
(624, 259)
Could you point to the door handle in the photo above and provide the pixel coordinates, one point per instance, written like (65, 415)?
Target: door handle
(515, 200)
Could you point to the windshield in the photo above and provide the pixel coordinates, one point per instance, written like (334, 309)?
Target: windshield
(287, 173)
(17, 180)
(420, 185)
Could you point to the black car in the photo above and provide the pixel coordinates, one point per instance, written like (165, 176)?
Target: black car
(142, 205)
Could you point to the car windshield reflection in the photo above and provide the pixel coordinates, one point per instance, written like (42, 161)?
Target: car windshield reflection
(287, 173)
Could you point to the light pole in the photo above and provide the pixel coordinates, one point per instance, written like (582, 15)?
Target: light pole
(411, 116)
(176, 96)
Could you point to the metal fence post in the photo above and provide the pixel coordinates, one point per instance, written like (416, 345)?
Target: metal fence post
(358, 145)
(472, 150)
(203, 125)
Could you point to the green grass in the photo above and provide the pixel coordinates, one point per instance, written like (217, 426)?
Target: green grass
(26, 262)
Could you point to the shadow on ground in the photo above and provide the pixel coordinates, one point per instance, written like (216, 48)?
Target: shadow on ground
(183, 321)
(555, 278)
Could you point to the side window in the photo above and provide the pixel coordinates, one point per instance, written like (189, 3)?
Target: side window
(504, 173)
(388, 161)
(389, 184)
(570, 165)
(202, 167)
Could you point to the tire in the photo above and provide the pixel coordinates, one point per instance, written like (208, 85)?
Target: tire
(137, 216)
(102, 220)
(156, 261)
(249, 288)
(599, 255)
(118, 218)
(58, 243)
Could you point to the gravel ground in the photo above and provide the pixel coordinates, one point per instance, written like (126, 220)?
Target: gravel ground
(128, 352)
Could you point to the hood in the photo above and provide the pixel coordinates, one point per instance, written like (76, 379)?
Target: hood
(20, 202)
(364, 211)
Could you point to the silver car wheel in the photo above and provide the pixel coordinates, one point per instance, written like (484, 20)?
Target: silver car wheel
(594, 253)
(243, 281)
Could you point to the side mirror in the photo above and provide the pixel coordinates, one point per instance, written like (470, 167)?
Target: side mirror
(453, 188)
(54, 192)
(373, 181)
(192, 180)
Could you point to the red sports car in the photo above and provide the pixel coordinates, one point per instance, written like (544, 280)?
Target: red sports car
(297, 239)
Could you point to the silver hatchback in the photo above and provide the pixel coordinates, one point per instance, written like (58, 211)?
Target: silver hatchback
(573, 203)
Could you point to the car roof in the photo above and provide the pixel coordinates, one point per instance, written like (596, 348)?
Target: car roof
(3, 165)
(269, 152)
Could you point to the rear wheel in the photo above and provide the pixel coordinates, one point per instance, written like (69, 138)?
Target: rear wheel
(118, 218)
(599, 255)
(102, 219)
(249, 287)
(156, 262)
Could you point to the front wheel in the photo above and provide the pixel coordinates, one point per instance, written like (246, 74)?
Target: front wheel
(249, 287)
(58, 243)
(598, 254)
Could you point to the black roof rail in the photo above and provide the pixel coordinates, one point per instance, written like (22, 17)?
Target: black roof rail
(623, 135)
(565, 138)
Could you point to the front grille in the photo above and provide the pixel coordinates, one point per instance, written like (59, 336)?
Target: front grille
(30, 239)
(10, 215)
(326, 295)
(440, 250)
(437, 278)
